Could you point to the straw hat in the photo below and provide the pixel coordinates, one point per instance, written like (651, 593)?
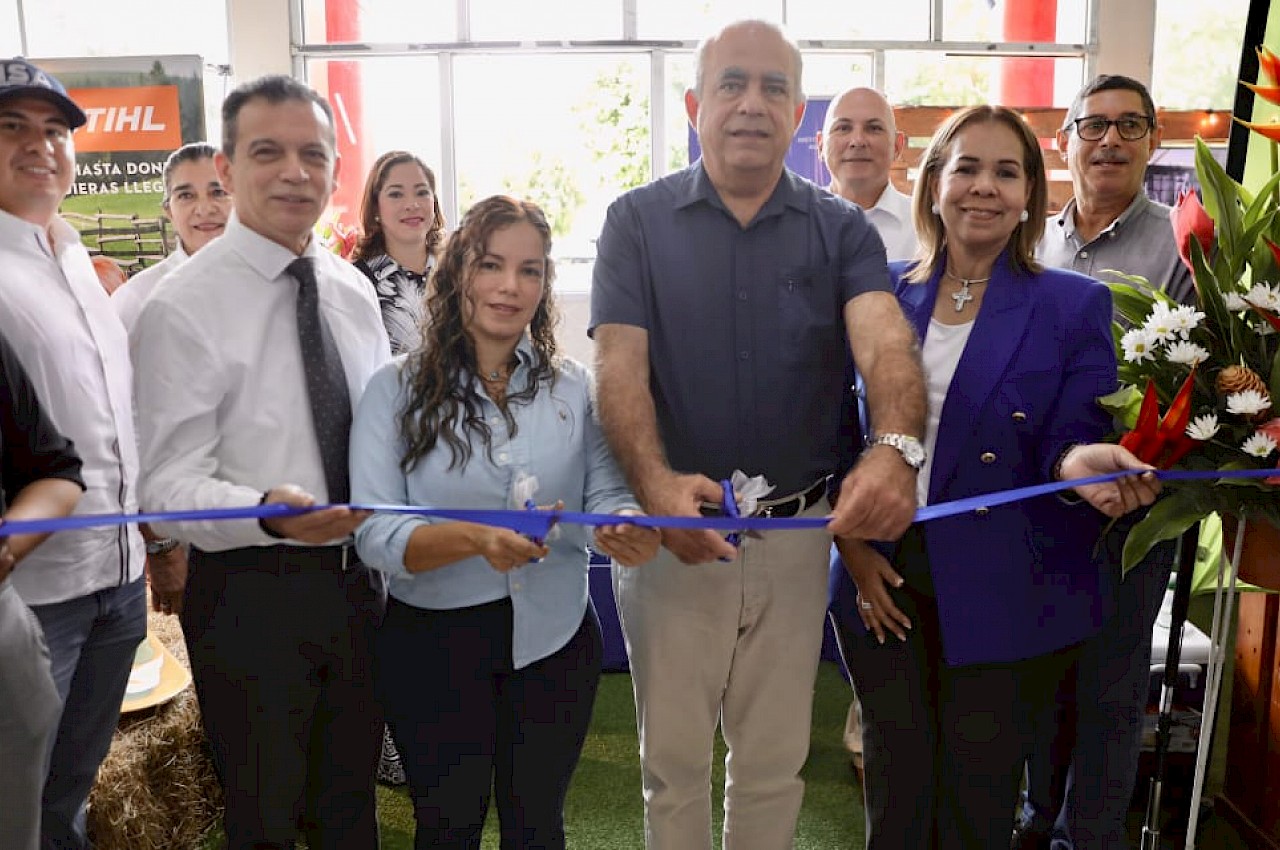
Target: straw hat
(157, 676)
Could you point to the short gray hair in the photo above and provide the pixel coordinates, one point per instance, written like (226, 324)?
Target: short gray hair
(705, 45)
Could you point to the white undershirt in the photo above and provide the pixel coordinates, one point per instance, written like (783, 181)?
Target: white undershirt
(943, 345)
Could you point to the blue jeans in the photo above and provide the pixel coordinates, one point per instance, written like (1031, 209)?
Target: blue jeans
(92, 640)
(1111, 688)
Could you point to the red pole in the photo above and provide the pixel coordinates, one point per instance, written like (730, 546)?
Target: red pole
(346, 95)
(1023, 81)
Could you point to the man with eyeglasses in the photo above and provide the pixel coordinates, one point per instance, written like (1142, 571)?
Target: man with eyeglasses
(1084, 760)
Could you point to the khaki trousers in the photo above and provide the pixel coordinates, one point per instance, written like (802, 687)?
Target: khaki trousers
(730, 643)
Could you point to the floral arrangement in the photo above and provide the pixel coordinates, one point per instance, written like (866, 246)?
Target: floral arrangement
(1213, 367)
(337, 237)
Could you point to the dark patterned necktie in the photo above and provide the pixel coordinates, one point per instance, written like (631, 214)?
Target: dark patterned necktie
(326, 382)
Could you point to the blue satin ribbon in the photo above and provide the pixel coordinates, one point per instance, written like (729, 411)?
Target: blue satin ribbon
(538, 524)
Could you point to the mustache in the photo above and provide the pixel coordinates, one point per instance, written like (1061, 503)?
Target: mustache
(1111, 158)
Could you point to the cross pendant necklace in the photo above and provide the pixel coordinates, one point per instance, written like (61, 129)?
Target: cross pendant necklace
(963, 296)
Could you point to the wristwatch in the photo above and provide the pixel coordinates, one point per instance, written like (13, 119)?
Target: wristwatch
(162, 545)
(909, 447)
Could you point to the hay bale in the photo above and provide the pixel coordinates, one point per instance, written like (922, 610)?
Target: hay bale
(157, 789)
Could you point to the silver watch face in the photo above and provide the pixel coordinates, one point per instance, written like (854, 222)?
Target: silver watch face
(912, 452)
(909, 447)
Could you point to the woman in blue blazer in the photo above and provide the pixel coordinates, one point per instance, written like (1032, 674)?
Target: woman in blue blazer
(968, 620)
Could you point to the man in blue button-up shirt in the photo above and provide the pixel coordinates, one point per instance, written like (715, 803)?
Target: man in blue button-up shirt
(721, 302)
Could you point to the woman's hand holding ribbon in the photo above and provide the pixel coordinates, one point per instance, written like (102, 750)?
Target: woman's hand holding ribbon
(1113, 498)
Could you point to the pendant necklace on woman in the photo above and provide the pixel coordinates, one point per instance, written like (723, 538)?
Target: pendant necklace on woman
(964, 296)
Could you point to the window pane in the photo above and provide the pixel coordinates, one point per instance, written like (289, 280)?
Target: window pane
(826, 74)
(1197, 53)
(821, 19)
(938, 79)
(10, 40)
(126, 28)
(389, 21)
(373, 114)
(572, 133)
(1015, 20)
(690, 21)
(560, 20)
(679, 79)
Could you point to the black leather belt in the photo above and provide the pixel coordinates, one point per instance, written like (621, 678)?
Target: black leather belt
(792, 505)
(787, 506)
(285, 560)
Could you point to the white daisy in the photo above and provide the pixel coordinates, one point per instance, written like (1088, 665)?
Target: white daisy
(1160, 325)
(1235, 301)
(1138, 344)
(1203, 427)
(1186, 353)
(1247, 403)
(1185, 319)
(1265, 297)
(1258, 445)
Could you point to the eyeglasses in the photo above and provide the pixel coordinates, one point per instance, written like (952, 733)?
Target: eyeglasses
(1091, 128)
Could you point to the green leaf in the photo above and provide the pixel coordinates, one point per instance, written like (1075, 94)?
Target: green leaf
(1222, 203)
(1260, 205)
(1166, 520)
(1215, 309)
(1132, 300)
(1123, 404)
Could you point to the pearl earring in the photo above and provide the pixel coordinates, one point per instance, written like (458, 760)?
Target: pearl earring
(936, 210)
(1024, 215)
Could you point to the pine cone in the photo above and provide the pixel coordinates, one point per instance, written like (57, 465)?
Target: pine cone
(1238, 379)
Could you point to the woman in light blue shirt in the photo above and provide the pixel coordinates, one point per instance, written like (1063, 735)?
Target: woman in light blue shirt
(491, 651)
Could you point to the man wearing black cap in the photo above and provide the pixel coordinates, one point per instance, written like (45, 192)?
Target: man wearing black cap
(85, 587)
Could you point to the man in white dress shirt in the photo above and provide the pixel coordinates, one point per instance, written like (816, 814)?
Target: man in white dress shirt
(858, 143)
(85, 586)
(278, 613)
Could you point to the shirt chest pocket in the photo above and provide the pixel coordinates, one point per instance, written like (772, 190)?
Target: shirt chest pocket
(809, 314)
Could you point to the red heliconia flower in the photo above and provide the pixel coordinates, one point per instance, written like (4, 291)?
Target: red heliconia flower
(1268, 65)
(1268, 93)
(1190, 219)
(1270, 130)
(1162, 441)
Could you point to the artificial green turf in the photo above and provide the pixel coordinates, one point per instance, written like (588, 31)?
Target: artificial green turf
(605, 812)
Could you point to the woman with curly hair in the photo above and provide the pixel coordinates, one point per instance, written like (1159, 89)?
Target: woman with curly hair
(401, 230)
(490, 651)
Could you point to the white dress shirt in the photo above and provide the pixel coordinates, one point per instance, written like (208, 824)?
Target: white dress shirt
(891, 217)
(222, 398)
(57, 317)
(128, 299)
